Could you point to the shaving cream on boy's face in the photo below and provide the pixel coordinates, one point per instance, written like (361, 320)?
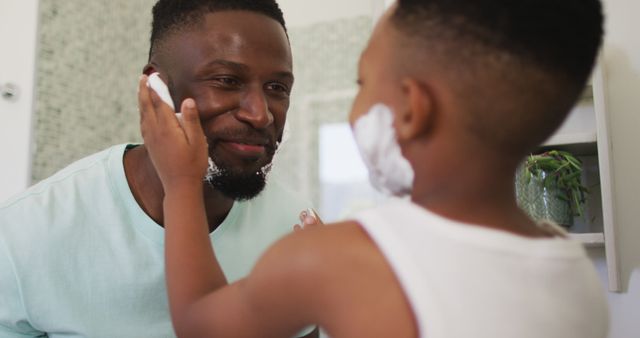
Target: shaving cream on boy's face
(389, 171)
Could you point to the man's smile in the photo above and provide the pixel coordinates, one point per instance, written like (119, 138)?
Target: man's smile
(244, 149)
(241, 145)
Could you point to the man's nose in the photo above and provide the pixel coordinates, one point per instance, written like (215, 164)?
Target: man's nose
(254, 110)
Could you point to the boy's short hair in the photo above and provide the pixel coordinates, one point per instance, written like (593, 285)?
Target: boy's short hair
(527, 60)
(173, 15)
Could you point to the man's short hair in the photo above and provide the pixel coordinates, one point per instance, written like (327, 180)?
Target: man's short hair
(533, 56)
(170, 16)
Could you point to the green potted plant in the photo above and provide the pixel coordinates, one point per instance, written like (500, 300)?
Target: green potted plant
(549, 187)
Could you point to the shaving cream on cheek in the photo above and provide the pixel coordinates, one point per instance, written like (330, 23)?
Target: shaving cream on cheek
(155, 82)
(214, 171)
(389, 171)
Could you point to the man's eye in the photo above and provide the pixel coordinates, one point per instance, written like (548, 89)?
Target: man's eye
(278, 87)
(228, 81)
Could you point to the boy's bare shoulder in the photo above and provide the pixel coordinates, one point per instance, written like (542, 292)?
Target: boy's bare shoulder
(323, 251)
(341, 273)
(331, 247)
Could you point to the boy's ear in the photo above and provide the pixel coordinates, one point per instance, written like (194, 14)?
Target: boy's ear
(415, 117)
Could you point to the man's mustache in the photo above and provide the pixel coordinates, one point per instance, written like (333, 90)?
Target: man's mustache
(245, 136)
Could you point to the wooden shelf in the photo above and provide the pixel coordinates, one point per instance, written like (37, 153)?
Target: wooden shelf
(579, 133)
(587, 94)
(577, 149)
(571, 138)
(586, 133)
(589, 240)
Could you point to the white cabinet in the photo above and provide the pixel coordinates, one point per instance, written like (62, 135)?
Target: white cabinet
(586, 134)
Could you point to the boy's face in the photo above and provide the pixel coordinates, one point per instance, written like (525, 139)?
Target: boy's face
(377, 78)
(237, 66)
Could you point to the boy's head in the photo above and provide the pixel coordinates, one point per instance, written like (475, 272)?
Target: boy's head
(496, 74)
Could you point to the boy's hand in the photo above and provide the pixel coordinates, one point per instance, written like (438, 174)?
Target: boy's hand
(178, 152)
(308, 219)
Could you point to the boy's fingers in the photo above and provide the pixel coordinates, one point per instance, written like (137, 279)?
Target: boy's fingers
(144, 100)
(163, 111)
(145, 108)
(308, 220)
(191, 122)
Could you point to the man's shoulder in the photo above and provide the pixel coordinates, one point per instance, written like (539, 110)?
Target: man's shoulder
(62, 186)
(277, 186)
(279, 197)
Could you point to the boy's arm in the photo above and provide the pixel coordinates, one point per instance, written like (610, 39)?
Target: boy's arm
(271, 302)
(280, 297)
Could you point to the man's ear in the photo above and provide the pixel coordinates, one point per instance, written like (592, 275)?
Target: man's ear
(149, 69)
(417, 113)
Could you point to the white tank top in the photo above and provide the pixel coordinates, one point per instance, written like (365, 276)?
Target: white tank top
(467, 281)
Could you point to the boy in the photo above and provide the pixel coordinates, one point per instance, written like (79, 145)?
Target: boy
(471, 86)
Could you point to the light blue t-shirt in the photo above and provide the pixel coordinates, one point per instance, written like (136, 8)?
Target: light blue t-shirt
(80, 258)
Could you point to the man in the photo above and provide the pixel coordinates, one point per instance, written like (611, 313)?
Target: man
(81, 252)
(465, 89)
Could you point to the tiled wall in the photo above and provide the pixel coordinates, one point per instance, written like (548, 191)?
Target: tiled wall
(89, 58)
(325, 65)
(91, 54)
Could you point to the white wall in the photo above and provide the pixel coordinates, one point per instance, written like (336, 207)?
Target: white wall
(18, 23)
(303, 13)
(622, 71)
(624, 307)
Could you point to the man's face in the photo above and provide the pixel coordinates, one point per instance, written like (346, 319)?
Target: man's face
(237, 66)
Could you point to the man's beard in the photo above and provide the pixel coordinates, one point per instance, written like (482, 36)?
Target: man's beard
(239, 186)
